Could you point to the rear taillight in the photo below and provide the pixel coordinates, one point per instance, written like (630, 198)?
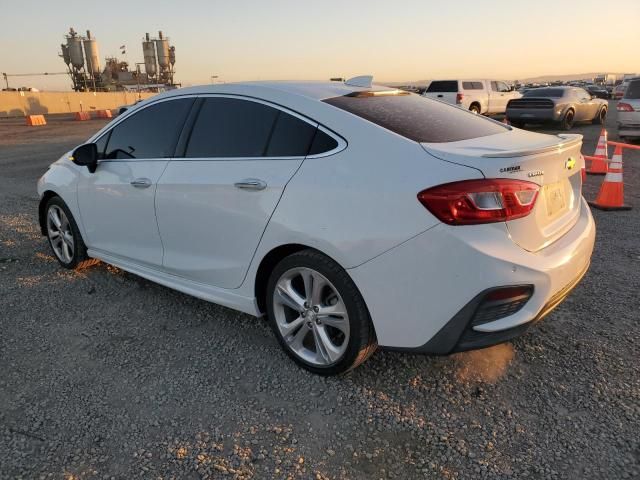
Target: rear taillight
(471, 202)
(459, 97)
(624, 107)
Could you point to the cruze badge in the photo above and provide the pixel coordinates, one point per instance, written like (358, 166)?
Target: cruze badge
(535, 173)
(512, 169)
(570, 163)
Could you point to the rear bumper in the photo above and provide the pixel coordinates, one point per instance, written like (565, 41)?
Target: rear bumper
(629, 124)
(533, 115)
(423, 294)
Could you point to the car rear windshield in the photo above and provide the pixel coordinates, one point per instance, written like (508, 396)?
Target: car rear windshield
(545, 92)
(633, 90)
(443, 86)
(418, 118)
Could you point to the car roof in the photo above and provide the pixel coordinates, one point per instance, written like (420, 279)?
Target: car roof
(314, 90)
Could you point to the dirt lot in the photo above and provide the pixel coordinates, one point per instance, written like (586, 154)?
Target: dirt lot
(106, 375)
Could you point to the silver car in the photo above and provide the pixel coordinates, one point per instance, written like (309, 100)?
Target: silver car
(564, 105)
(629, 111)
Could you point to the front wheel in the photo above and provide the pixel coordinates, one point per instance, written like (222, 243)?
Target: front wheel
(318, 314)
(567, 121)
(64, 237)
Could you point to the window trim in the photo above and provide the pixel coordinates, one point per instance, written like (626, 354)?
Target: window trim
(342, 144)
(129, 113)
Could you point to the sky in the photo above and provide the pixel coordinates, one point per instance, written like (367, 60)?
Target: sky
(286, 39)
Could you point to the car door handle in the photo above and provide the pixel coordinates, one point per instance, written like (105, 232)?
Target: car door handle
(141, 183)
(251, 184)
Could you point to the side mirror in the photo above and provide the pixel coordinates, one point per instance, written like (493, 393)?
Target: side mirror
(87, 156)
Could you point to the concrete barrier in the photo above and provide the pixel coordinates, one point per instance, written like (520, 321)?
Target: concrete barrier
(103, 114)
(21, 104)
(82, 116)
(35, 120)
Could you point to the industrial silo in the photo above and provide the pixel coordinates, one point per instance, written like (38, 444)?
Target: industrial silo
(149, 53)
(92, 55)
(65, 54)
(74, 45)
(162, 48)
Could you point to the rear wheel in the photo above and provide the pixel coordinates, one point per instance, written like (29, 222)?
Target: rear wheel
(318, 314)
(64, 237)
(601, 117)
(567, 121)
(475, 108)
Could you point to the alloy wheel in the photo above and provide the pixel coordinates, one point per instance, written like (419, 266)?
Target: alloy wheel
(60, 234)
(311, 316)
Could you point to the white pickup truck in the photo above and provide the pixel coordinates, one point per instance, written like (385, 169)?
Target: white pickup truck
(487, 97)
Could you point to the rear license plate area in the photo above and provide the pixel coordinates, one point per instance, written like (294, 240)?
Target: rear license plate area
(554, 197)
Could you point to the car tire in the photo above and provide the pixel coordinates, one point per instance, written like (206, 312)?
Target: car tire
(64, 236)
(567, 121)
(303, 291)
(601, 117)
(475, 108)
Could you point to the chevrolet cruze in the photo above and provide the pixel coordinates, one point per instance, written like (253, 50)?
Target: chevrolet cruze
(352, 215)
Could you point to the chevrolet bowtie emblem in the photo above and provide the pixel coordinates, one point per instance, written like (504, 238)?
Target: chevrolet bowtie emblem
(570, 163)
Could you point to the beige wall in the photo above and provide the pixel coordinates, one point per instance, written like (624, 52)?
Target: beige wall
(17, 104)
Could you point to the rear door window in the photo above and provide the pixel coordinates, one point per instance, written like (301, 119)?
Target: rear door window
(229, 127)
(443, 86)
(150, 133)
(418, 118)
(472, 85)
(238, 128)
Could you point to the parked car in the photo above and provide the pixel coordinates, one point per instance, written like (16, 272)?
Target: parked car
(598, 91)
(563, 105)
(629, 111)
(479, 96)
(353, 215)
(618, 91)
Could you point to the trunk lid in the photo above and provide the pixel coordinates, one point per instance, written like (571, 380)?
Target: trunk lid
(552, 162)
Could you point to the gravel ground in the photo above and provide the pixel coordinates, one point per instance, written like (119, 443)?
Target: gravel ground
(106, 375)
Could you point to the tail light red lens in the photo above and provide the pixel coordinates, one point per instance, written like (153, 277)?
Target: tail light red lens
(472, 202)
(624, 107)
(459, 97)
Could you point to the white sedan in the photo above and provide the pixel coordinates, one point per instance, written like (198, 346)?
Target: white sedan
(352, 215)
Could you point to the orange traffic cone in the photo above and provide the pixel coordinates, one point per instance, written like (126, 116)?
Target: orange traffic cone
(599, 167)
(505, 120)
(583, 170)
(611, 195)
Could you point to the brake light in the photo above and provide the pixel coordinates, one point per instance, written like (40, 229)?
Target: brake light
(624, 107)
(472, 202)
(459, 97)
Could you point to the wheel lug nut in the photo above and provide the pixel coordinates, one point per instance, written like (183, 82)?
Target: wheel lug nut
(316, 309)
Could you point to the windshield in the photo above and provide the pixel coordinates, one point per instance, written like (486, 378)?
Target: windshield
(418, 118)
(545, 92)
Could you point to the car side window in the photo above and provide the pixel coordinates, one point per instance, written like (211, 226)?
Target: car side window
(503, 87)
(237, 128)
(149, 133)
(494, 86)
(291, 137)
(229, 127)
